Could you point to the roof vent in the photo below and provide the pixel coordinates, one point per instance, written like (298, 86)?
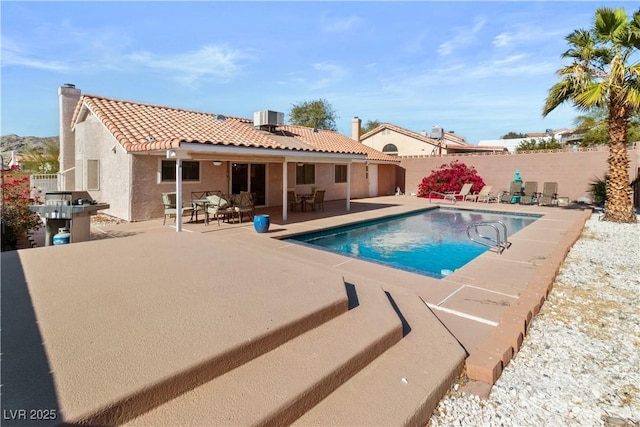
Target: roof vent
(221, 117)
(268, 118)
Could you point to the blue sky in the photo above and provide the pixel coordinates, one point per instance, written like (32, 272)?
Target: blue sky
(481, 69)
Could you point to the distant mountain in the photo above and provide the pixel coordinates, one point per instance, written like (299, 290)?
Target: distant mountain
(18, 143)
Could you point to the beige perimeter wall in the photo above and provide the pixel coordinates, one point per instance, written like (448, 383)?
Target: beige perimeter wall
(572, 170)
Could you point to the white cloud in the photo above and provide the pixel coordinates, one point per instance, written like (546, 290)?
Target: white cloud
(463, 37)
(340, 25)
(525, 34)
(209, 62)
(325, 74)
(15, 55)
(502, 40)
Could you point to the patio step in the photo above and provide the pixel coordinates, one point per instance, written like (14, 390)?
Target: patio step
(278, 387)
(152, 329)
(405, 384)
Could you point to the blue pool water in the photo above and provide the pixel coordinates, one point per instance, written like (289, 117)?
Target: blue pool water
(431, 243)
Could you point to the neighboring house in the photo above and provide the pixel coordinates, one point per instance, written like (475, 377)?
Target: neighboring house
(126, 154)
(563, 136)
(569, 136)
(397, 141)
(10, 159)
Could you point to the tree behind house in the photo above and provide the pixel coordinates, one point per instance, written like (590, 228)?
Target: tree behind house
(42, 159)
(535, 145)
(316, 114)
(369, 126)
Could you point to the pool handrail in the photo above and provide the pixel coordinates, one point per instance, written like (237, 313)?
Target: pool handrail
(499, 243)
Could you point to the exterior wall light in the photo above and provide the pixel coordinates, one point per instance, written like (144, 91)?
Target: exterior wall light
(217, 163)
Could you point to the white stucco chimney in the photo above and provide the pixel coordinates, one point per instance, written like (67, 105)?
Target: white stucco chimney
(355, 128)
(68, 97)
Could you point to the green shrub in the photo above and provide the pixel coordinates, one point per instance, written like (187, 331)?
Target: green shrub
(598, 189)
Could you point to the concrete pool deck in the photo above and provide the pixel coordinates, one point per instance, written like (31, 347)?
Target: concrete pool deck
(220, 325)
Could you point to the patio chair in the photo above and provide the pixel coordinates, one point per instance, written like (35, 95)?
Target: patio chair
(482, 194)
(243, 204)
(549, 195)
(217, 206)
(169, 203)
(464, 191)
(515, 191)
(316, 200)
(529, 193)
(293, 200)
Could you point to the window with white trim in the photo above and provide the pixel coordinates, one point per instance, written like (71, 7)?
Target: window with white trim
(390, 149)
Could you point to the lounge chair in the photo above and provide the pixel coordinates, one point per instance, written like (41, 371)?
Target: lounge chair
(316, 200)
(515, 190)
(293, 200)
(464, 191)
(529, 193)
(549, 194)
(170, 208)
(483, 194)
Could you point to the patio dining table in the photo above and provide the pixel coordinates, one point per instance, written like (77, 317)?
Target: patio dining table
(304, 198)
(199, 204)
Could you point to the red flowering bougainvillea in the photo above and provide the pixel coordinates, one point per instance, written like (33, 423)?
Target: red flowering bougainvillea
(16, 217)
(450, 177)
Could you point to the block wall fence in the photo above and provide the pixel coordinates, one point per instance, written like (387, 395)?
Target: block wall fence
(572, 170)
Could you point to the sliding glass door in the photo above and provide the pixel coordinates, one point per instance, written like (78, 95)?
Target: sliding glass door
(250, 177)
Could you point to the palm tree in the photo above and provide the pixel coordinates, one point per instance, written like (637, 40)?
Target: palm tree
(600, 76)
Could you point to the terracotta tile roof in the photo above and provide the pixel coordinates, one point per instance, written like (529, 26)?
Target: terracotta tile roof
(330, 141)
(145, 127)
(449, 138)
(454, 139)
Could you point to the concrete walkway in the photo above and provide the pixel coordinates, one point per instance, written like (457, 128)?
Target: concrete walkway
(146, 326)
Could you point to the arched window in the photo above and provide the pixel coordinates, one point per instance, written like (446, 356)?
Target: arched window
(390, 149)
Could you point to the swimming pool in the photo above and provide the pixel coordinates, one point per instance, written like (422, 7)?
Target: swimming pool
(432, 242)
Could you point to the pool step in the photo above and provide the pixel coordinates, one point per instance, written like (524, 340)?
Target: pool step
(278, 387)
(405, 384)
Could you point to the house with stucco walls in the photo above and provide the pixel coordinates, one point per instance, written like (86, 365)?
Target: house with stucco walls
(126, 154)
(397, 141)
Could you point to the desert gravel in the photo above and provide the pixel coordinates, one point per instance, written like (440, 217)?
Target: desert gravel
(580, 362)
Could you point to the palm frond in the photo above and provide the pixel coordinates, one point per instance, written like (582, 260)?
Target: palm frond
(610, 24)
(559, 93)
(594, 95)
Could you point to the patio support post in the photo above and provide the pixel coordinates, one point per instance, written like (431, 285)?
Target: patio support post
(285, 181)
(178, 195)
(349, 186)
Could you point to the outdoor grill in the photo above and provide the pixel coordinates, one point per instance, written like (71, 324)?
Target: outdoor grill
(68, 209)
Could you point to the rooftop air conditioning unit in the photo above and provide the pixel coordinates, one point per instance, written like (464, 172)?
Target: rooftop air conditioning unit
(437, 132)
(268, 118)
